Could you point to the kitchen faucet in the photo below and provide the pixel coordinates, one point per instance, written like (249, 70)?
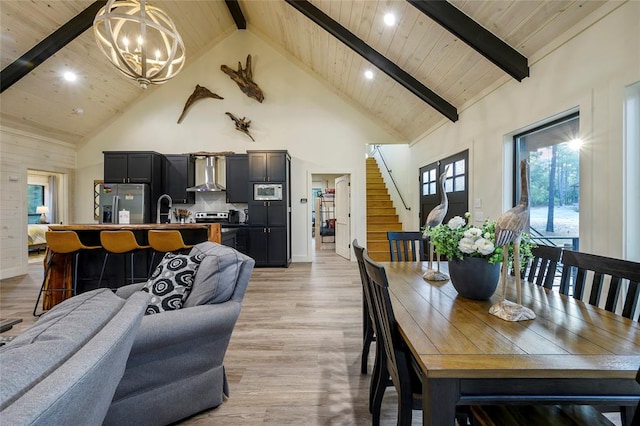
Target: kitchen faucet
(168, 212)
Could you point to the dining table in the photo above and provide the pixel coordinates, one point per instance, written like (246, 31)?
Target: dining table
(571, 353)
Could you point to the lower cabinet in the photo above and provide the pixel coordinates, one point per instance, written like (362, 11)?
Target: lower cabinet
(268, 246)
(229, 238)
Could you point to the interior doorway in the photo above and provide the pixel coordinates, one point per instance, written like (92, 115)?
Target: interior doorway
(330, 207)
(46, 192)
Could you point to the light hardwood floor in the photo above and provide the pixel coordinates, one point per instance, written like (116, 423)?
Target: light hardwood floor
(294, 357)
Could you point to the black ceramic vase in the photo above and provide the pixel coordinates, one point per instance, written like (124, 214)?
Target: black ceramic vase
(474, 277)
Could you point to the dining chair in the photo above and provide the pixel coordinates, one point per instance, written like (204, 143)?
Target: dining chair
(542, 268)
(368, 335)
(591, 278)
(379, 377)
(404, 245)
(397, 361)
(600, 276)
(636, 416)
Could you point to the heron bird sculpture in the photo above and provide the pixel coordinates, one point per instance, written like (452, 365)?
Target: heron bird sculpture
(435, 218)
(509, 228)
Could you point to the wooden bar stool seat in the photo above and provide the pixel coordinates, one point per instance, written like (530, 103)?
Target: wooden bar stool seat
(120, 242)
(62, 242)
(165, 242)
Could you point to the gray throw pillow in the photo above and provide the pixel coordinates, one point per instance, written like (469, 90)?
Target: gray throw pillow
(217, 276)
(171, 282)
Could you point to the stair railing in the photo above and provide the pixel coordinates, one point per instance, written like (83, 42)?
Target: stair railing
(376, 148)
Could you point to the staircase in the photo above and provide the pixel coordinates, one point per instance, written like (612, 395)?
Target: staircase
(381, 215)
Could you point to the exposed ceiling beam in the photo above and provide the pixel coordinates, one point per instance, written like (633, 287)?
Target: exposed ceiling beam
(236, 13)
(377, 59)
(475, 35)
(49, 46)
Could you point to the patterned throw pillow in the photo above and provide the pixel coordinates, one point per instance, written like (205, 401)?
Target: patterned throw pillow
(171, 282)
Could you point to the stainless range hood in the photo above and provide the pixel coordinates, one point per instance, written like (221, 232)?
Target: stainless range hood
(209, 184)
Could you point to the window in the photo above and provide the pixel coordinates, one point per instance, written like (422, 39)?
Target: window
(554, 180)
(35, 198)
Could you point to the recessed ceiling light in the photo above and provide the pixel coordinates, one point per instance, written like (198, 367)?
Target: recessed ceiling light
(69, 76)
(389, 19)
(368, 74)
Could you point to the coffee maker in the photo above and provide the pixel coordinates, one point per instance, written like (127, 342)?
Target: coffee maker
(234, 216)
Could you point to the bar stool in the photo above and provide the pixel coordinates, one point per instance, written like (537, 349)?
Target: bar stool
(165, 242)
(120, 242)
(62, 242)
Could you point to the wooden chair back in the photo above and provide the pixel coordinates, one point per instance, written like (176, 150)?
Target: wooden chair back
(404, 245)
(397, 356)
(368, 326)
(542, 268)
(577, 267)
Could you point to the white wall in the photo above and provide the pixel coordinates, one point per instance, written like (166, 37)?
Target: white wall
(590, 71)
(322, 132)
(20, 151)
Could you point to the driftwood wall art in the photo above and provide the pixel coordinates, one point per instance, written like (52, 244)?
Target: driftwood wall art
(200, 92)
(244, 80)
(242, 124)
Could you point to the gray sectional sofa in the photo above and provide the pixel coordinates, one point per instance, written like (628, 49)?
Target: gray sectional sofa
(65, 368)
(95, 359)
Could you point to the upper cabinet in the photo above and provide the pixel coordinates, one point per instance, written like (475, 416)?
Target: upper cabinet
(132, 167)
(178, 174)
(136, 167)
(268, 166)
(237, 178)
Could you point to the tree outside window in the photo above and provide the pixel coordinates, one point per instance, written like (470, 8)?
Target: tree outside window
(35, 198)
(554, 180)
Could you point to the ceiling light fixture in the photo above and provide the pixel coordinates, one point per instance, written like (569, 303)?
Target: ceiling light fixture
(389, 19)
(368, 74)
(69, 76)
(140, 40)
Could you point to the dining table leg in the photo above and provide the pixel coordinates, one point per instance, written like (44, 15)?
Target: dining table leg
(439, 399)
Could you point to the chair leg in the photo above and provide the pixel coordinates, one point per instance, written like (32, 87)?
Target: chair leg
(74, 278)
(153, 256)
(367, 338)
(379, 382)
(104, 263)
(405, 406)
(44, 280)
(131, 278)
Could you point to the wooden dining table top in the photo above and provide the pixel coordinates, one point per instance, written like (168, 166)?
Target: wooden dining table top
(455, 337)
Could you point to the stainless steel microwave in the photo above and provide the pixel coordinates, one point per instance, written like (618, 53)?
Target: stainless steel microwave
(267, 191)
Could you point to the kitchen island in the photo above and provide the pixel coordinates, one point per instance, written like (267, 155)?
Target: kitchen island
(58, 283)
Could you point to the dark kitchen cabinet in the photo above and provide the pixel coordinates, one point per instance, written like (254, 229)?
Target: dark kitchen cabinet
(268, 246)
(268, 213)
(237, 178)
(269, 233)
(178, 174)
(132, 166)
(136, 167)
(268, 166)
(242, 240)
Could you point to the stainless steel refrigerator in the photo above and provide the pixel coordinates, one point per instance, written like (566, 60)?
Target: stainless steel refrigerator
(118, 198)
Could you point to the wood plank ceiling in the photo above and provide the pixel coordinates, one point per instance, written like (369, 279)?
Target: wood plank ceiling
(42, 103)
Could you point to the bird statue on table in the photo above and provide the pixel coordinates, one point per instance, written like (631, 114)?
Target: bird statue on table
(435, 218)
(509, 228)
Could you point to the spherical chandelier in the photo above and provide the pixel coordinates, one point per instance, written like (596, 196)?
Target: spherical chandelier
(140, 40)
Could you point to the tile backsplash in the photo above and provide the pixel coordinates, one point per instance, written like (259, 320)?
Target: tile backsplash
(210, 202)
